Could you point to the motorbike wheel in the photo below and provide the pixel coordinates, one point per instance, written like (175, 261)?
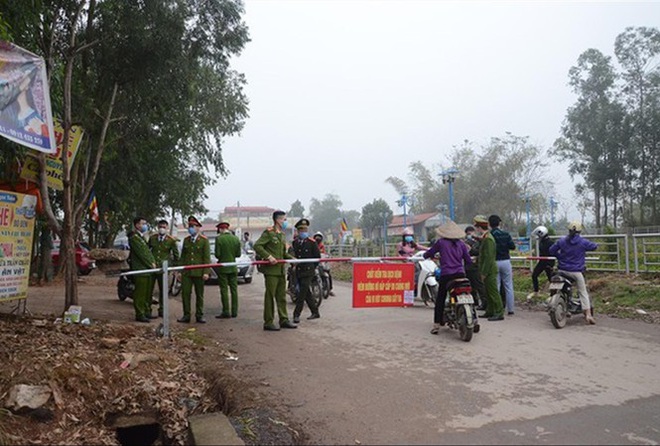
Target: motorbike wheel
(558, 314)
(175, 288)
(465, 329)
(428, 294)
(325, 287)
(124, 289)
(317, 292)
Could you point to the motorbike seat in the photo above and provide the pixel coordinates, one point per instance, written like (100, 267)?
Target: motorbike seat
(460, 285)
(560, 275)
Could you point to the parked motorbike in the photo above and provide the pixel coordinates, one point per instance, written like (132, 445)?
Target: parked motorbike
(427, 279)
(126, 287)
(317, 288)
(562, 303)
(326, 279)
(460, 311)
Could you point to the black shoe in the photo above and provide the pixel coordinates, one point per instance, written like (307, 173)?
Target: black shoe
(271, 327)
(142, 319)
(314, 316)
(496, 318)
(288, 324)
(151, 316)
(184, 320)
(510, 313)
(234, 315)
(200, 320)
(223, 316)
(296, 319)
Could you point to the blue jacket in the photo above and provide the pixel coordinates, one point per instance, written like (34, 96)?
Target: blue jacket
(504, 244)
(571, 252)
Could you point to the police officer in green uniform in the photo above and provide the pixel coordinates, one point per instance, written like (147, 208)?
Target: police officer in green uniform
(196, 251)
(305, 247)
(271, 246)
(141, 258)
(227, 249)
(163, 247)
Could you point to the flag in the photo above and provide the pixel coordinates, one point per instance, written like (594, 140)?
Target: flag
(344, 225)
(93, 208)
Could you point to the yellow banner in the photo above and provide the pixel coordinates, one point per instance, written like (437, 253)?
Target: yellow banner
(54, 168)
(17, 215)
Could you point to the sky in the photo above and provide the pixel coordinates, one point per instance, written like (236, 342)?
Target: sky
(345, 93)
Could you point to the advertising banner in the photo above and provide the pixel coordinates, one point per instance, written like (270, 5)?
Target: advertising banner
(54, 166)
(17, 215)
(25, 114)
(383, 284)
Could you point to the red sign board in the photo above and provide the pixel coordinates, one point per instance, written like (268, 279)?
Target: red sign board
(383, 284)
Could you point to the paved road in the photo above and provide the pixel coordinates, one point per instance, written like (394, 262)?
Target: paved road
(377, 376)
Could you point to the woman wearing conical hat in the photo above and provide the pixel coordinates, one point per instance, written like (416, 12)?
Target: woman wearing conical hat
(454, 255)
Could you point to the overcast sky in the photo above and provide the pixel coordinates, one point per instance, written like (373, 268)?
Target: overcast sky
(346, 93)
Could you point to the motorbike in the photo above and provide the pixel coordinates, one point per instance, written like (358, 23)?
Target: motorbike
(326, 279)
(317, 287)
(562, 303)
(427, 279)
(460, 311)
(126, 287)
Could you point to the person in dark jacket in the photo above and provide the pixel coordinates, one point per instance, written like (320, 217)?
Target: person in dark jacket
(305, 247)
(543, 266)
(504, 244)
(571, 252)
(472, 270)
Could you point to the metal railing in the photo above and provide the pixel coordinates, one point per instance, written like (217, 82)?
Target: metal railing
(646, 252)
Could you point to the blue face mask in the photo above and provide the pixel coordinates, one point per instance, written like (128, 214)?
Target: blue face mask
(192, 231)
(303, 234)
(285, 224)
(408, 238)
(144, 228)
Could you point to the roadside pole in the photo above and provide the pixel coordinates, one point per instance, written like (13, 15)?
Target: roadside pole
(164, 290)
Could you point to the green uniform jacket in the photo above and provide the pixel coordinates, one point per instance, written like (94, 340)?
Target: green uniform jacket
(141, 257)
(227, 249)
(196, 253)
(487, 263)
(272, 243)
(165, 250)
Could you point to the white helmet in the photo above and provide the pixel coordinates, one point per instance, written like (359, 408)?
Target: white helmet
(540, 232)
(319, 234)
(575, 226)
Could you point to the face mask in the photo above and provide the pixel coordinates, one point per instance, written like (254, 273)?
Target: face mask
(408, 238)
(470, 237)
(144, 228)
(303, 234)
(162, 231)
(192, 231)
(285, 224)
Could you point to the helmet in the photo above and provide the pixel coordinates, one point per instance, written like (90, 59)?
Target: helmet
(575, 226)
(408, 231)
(481, 221)
(540, 232)
(318, 234)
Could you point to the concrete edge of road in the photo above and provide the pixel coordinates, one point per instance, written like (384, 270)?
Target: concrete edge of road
(213, 429)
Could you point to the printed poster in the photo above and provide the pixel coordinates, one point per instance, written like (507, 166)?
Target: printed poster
(25, 113)
(17, 216)
(383, 284)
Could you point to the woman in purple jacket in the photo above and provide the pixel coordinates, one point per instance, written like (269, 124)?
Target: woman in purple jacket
(454, 255)
(571, 252)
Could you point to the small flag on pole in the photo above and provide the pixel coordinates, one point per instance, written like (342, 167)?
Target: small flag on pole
(344, 225)
(93, 208)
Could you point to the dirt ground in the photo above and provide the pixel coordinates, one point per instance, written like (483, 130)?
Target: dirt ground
(188, 375)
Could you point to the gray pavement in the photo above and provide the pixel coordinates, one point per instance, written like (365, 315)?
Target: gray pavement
(377, 376)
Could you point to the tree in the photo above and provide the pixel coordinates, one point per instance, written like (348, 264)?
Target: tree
(372, 216)
(297, 209)
(142, 78)
(325, 213)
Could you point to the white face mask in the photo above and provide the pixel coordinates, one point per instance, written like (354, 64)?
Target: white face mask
(162, 231)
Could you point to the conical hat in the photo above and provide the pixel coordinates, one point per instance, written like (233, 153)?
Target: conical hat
(450, 230)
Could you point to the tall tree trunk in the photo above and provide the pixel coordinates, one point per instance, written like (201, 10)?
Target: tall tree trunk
(597, 206)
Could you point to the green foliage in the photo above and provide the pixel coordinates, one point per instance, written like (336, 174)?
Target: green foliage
(372, 216)
(325, 213)
(297, 209)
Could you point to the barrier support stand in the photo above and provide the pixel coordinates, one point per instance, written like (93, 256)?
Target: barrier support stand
(164, 290)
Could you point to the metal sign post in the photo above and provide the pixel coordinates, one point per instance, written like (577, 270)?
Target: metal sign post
(164, 290)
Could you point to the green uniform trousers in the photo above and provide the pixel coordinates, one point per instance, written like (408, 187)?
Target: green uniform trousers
(275, 294)
(187, 284)
(157, 280)
(142, 294)
(229, 284)
(494, 305)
